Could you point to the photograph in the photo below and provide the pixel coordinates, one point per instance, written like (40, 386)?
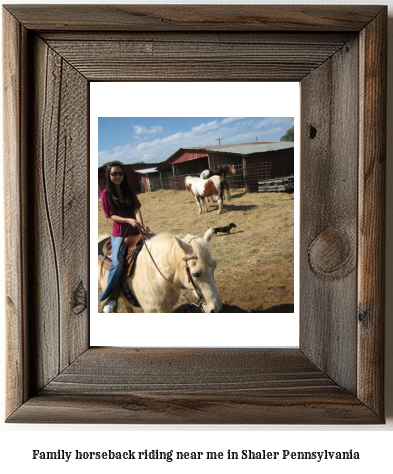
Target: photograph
(217, 232)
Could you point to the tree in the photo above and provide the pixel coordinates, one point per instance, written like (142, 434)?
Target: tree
(289, 136)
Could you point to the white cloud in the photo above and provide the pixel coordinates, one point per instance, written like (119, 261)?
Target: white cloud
(203, 127)
(141, 130)
(231, 119)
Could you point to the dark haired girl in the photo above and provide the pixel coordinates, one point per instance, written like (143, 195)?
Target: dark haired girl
(120, 204)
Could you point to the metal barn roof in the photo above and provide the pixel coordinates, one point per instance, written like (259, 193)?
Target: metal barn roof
(249, 148)
(147, 171)
(237, 149)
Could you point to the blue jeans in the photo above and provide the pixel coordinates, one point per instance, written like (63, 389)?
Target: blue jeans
(116, 267)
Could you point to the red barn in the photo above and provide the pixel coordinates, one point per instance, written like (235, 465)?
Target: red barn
(253, 161)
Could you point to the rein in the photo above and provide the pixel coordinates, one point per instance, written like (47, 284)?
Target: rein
(190, 279)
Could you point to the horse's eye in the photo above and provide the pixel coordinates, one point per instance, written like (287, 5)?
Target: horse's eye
(196, 275)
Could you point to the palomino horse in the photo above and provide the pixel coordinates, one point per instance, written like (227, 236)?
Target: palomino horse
(164, 265)
(203, 188)
(222, 170)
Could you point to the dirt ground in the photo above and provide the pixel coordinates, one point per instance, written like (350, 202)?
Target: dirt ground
(255, 262)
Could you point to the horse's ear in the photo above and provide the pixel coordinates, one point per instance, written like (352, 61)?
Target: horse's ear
(208, 234)
(184, 246)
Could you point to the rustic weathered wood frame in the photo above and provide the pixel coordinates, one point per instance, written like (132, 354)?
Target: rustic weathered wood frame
(338, 54)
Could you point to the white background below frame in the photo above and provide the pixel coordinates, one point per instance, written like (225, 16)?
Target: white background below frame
(166, 99)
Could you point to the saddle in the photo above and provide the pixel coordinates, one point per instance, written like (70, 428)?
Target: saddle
(134, 244)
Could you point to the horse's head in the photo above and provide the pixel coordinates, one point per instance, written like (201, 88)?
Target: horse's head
(196, 270)
(231, 169)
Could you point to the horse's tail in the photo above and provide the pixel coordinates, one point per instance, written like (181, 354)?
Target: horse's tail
(227, 194)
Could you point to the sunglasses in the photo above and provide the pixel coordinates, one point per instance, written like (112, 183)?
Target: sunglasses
(117, 173)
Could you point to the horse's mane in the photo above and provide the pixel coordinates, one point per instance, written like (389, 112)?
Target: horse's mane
(161, 236)
(200, 246)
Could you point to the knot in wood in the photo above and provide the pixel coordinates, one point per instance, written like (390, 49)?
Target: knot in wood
(79, 303)
(364, 316)
(331, 254)
(313, 132)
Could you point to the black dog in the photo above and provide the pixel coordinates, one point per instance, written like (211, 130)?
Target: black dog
(224, 230)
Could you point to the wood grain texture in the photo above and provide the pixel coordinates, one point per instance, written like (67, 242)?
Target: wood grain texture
(156, 409)
(335, 376)
(174, 58)
(59, 243)
(328, 250)
(193, 386)
(15, 174)
(372, 197)
(194, 17)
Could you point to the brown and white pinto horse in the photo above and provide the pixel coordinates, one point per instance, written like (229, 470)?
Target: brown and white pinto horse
(203, 188)
(222, 170)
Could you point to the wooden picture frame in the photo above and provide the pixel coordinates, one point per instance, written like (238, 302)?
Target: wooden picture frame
(338, 54)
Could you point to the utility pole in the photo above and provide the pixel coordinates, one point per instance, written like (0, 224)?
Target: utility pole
(219, 140)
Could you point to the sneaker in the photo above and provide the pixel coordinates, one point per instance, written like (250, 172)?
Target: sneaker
(110, 306)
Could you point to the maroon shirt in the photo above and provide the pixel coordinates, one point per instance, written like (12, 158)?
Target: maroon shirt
(118, 230)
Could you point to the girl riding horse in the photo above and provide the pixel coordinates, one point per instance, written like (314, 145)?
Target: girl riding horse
(122, 207)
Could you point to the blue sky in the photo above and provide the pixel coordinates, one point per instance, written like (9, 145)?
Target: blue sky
(154, 139)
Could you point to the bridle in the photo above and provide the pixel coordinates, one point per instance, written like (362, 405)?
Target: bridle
(201, 299)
